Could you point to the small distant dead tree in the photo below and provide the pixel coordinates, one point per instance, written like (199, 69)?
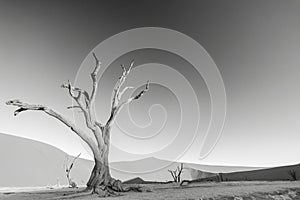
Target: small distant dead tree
(220, 177)
(72, 184)
(176, 174)
(98, 138)
(293, 174)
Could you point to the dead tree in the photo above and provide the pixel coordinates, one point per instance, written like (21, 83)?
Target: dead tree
(293, 174)
(220, 177)
(68, 171)
(176, 174)
(100, 181)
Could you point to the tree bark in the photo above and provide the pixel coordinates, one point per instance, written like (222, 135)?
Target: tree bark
(100, 181)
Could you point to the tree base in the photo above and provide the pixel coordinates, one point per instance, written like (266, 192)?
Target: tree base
(115, 188)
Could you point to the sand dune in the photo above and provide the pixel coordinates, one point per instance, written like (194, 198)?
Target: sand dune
(270, 174)
(26, 163)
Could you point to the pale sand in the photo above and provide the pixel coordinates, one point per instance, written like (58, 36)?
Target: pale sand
(225, 190)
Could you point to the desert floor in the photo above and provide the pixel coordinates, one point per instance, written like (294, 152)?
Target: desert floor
(225, 190)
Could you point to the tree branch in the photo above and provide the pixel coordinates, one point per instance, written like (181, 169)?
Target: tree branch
(84, 106)
(115, 110)
(116, 91)
(136, 97)
(119, 96)
(173, 173)
(71, 107)
(25, 107)
(72, 90)
(94, 79)
(180, 169)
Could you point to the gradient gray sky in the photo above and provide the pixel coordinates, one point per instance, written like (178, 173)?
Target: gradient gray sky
(255, 44)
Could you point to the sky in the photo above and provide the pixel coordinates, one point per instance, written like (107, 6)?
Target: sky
(254, 44)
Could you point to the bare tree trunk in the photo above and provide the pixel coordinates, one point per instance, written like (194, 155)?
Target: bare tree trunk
(100, 181)
(100, 177)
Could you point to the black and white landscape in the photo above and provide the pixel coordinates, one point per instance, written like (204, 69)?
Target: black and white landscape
(149, 99)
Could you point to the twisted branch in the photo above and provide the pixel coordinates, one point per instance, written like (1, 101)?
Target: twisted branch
(34, 107)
